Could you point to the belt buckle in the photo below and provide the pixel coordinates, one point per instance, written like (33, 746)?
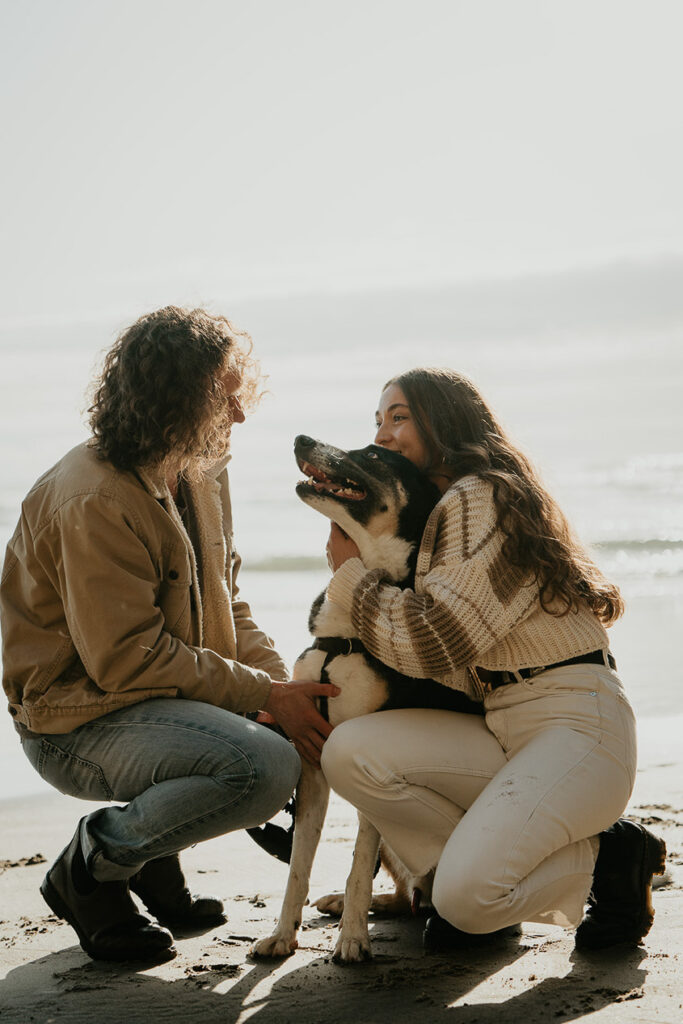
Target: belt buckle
(535, 671)
(479, 683)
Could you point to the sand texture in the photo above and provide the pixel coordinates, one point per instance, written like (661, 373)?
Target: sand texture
(47, 978)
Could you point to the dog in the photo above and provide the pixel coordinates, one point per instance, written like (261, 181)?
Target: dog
(382, 501)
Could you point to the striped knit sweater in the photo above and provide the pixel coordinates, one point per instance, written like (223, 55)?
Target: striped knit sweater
(468, 608)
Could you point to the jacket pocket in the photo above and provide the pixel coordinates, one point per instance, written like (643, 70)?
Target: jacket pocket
(69, 773)
(175, 604)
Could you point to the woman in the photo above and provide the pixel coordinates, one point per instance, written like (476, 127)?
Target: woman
(513, 810)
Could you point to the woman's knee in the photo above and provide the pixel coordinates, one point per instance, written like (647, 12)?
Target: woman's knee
(466, 900)
(338, 756)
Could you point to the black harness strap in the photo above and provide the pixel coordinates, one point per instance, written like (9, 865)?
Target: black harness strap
(334, 646)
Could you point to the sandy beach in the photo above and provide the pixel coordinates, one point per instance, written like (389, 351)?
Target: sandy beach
(47, 978)
(361, 188)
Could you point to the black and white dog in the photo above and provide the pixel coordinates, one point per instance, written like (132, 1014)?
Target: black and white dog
(382, 501)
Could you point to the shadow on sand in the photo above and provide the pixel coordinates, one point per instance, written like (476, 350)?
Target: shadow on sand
(228, 987)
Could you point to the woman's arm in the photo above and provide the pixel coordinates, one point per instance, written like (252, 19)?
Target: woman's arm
(468, 599)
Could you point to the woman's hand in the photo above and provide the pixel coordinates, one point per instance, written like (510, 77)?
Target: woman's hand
(292, 707)
(340, 547)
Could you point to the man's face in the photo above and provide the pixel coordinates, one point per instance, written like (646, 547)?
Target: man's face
(229, 411)
(230, 382)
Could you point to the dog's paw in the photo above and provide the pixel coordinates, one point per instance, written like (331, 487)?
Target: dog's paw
(332, 904)
(276, 945)
(352, 949)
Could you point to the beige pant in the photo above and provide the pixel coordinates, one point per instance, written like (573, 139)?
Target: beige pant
(506, 807)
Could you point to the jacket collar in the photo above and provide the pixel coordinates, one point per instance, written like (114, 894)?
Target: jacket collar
(154, 480)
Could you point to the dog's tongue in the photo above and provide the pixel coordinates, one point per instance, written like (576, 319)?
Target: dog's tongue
(310, 470)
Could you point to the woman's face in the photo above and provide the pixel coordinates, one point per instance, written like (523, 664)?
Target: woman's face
(396, 428)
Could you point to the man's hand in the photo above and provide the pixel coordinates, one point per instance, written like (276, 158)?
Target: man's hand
(340, 547)
(292, 707)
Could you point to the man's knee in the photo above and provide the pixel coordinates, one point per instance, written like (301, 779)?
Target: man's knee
(281, 769)
(273, 768)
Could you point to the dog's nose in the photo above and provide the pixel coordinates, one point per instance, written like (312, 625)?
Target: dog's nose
(304, 441)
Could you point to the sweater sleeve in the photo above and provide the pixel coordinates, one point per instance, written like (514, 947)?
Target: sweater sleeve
(466, 601)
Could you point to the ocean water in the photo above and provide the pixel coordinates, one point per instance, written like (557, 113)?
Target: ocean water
(596, 403)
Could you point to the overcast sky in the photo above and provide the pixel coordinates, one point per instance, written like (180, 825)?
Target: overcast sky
(202, 150)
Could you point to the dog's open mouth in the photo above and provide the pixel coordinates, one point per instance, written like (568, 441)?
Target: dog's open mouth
(336, 487)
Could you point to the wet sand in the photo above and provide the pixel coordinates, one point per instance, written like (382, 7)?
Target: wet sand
(47, 978)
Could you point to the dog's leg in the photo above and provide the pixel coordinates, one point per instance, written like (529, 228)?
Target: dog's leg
(353, 944)
(312, 795)
(410, 893)
(398, 901)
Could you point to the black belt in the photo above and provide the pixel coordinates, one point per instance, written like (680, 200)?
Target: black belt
(492, 679)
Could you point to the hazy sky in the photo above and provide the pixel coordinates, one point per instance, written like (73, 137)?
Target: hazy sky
(199, 150)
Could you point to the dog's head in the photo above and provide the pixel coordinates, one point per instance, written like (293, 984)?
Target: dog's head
(379, 498)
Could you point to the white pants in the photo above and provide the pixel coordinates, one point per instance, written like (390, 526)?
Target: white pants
(507, 807)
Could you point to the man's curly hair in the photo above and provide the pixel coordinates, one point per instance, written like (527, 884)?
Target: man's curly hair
(160, 396)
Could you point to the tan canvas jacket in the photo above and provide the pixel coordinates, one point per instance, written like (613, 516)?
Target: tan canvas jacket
(104, 602)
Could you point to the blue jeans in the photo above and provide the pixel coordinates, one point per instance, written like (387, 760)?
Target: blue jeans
(187, 771)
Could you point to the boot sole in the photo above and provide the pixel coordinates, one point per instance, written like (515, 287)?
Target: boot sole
(181, 922)
(449, 943)
(60, 908)
(654, 863)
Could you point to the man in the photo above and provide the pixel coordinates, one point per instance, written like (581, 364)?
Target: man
(129, 657)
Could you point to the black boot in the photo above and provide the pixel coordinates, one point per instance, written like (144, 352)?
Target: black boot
(161, 886)
(439, 936)
(102, 913)
(620, 904)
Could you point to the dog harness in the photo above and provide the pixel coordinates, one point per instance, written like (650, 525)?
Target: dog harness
(334, 646)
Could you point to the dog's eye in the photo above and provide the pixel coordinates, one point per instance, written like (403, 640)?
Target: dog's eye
(373, 455)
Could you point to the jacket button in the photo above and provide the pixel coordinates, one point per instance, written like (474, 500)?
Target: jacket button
(173, 575)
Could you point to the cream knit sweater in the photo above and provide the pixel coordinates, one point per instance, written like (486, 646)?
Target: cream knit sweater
(468, 608)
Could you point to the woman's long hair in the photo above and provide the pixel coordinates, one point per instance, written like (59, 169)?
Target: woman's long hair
(464, 437)
(159, 395)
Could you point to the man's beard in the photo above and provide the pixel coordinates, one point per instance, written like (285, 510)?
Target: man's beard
(216, 445)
